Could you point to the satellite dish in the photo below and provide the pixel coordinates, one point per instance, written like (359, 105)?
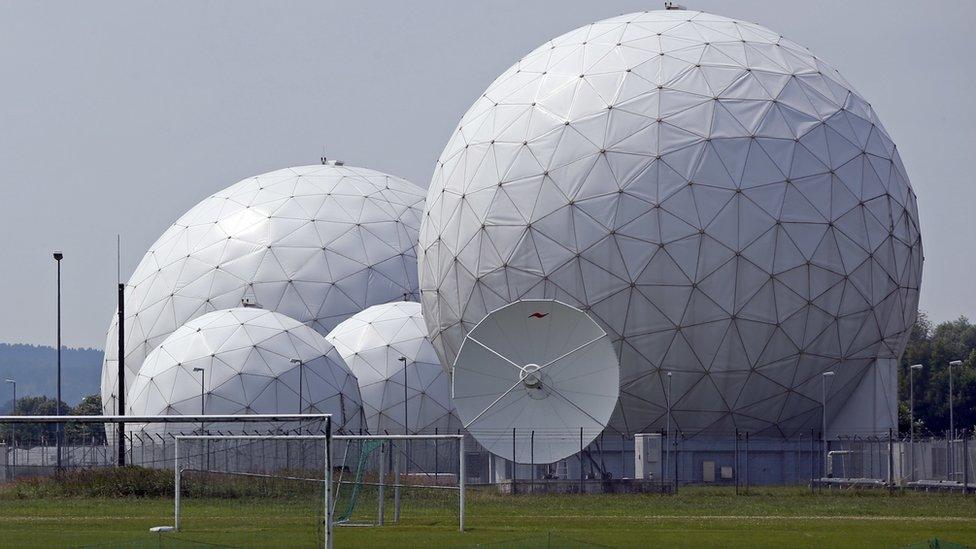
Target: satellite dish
(530, 376)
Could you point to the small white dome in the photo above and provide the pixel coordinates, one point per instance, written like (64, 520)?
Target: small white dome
(372, 343)
(251, 362)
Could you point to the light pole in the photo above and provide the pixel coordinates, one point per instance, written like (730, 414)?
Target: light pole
(823, 404)
(203, 410)
(58, 256)
(299, 362)
(406, 447)
(13, 428)
(952, 423)
(911, 428)
(406, 430)
(667, 432)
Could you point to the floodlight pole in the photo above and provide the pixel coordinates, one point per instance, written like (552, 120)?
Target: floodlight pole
(57, 258)
(911, 427)
(952, 424)
(823, 404)
(13, 412)
(120, 399)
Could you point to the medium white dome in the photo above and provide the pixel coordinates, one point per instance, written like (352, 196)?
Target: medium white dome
(372, 342)
(316, 243)
(247, 359)
(720, 199)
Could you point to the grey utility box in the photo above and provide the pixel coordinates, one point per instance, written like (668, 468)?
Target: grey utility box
(647, 456)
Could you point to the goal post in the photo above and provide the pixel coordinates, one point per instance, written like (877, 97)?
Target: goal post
(395, 453)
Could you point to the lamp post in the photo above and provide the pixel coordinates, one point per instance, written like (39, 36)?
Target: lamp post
(403, 360)
(823, 404)
(58, 256)
(952, 423)
(667, 449)
(203, 410)
(300, 364)
(13, 412)
(911, 427)
(406, 448)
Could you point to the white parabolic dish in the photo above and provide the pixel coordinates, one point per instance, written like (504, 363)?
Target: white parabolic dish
(535, 380)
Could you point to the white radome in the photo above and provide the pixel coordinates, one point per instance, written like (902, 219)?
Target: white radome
(316, 243)
(718, 198)
(372, 342)
(253, 361)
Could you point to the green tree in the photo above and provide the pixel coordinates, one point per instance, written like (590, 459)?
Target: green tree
(933, 348)
(37, 434)
(87, 433)
(41, 434)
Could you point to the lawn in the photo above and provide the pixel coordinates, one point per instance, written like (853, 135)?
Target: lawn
(696, 517)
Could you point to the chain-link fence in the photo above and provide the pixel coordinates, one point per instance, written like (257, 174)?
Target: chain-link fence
(611, 462)
(35, 446)
(738, 460)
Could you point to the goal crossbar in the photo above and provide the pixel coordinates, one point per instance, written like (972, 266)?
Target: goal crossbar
(204, 418)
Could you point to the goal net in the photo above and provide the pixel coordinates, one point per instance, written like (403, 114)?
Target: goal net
(398, 479)
(375, 480)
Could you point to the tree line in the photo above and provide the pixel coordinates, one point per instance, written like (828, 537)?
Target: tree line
(45, 434)
(934, 347)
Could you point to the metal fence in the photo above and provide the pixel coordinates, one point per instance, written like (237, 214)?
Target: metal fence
(738, 459)
(741, 459)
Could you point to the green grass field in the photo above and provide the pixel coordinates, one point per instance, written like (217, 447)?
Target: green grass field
(696, 517)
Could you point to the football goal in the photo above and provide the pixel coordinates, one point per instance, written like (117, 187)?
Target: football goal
(383, 479)
(342, 480)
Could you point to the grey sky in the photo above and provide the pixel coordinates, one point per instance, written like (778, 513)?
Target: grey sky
(116, 117)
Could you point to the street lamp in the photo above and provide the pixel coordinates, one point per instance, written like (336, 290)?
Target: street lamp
(406, 448)
(299, 362)
(13, 427)
(823, 404)
(403, 359)
(952, 423)
(667, 430)
(58, 256)
(13, 410)
(911, 427)
(202, 394)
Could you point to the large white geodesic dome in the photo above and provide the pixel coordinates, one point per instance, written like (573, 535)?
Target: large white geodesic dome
(720, 199)
(372, 343)
(254, 362)
(316, 243)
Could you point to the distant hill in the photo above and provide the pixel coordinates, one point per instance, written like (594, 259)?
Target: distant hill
(35, 370)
